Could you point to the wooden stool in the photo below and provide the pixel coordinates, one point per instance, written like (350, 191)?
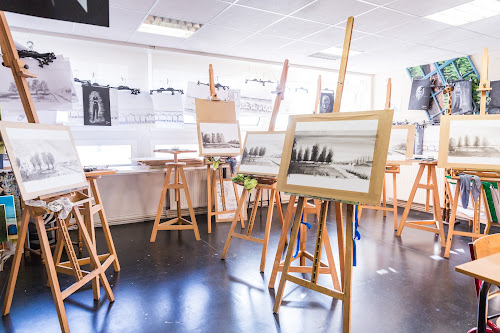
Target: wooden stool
(323, 268)
(430, 186)
(271, 185)
(178, 168)
(394, 170)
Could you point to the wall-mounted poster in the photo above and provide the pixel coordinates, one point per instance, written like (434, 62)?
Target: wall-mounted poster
(470, 142)
(461, 98)
(401, 144)
(44, 158)
(340, 156)
(262, 153)
(420, 94)
(96, 106)
(219, 139)
(493, 106)
(94, 12)
(326, 102)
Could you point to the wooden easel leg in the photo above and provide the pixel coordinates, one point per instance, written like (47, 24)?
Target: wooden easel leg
(288, 257)
(190, 205)
(410, 200)
(384, 197)
(14, 271)
(427, 198)
(269, 221)
(233, 224)
(160, 204)
(346, 313)
(340, 238)
(303, 241)
(282, 241)
(178, 194)
(237, 196)
(395, 201)
(209, 200)
(453, 217)
(104, 223)
(437, 205)
(331, 261)
(89, 223)
(319, 242)
(278, 206)
(51, 273)
(251, 221)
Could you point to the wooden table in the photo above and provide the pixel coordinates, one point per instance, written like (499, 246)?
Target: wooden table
(486, 269)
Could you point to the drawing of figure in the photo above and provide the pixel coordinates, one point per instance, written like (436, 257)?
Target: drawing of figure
(95, 108)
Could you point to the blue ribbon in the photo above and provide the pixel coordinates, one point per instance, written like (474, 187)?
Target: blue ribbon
(297, 248)
(357, 235)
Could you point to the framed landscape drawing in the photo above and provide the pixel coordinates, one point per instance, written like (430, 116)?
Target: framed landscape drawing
(219, 138)
(470, 142)
(339, 156)
(262, 153)
(43, 158)
(401, 144)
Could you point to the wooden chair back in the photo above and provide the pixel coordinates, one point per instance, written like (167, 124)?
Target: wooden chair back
(486, 246)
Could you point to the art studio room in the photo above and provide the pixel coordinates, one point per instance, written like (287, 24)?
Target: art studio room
(250, 166)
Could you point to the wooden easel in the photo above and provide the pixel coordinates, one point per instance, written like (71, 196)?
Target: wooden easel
(263, 182)
(484, 85)
(393, 169)
(20, 73)
(177, 185)
(345, 252)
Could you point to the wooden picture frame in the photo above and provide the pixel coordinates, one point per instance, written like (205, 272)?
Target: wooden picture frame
(410, 144)
(219, 125)
(483, 139)
(247, 169)
(373, 130)
(44, 158)
(219, 111)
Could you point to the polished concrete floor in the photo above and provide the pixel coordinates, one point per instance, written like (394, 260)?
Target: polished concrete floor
(180, 285)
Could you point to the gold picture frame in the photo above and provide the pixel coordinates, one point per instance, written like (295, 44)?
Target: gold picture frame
(232, 130)
(335, 177)
(473, 137)
(256, 170)
(410, 144)
(44, 158)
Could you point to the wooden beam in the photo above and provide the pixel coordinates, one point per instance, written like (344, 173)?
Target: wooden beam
(280, 95)
(318, 95)
(388, 94)
(213, 93)
(343, 64)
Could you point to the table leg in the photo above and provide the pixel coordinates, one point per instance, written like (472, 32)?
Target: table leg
(482, 307)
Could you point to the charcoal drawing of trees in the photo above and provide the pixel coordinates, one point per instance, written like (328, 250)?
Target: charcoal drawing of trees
(477, 142)
(467, 141)
(262, 151)
(460, 144)
(245, 153)
(322, 156)
(307, 154)
(12, 87)
(315, 153)
(300, 156)
(329, 157)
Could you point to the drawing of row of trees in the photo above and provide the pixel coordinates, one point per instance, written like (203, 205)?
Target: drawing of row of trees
(467, 141)
(36, 86)
(312, 154)
(254, 152)
(213, 137)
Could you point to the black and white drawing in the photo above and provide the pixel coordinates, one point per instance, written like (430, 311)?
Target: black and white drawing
(262, 153)
(326, 102)
(493, 106)
(219, 138)
(398, 144)
(420, 94)
(335, 155)
(80, 11)
(419, 139)
(96, 106)
(168, 110)
(474, 142)
(135, 109)
(461, 98)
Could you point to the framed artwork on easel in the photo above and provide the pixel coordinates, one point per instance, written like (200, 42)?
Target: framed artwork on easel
(262, 153)
(219, 138)
(401, 144)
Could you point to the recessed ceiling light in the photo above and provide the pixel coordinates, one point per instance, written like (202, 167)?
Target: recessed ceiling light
(468, 12)
(337, 51)
(168, 27)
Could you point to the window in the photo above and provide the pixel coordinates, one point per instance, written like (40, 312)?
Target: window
(105, 154)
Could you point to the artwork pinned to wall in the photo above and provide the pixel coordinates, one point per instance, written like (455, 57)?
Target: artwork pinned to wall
(470, 142)
(96, 106)
(326, 102)
(339, 156)
(419, 140)
(256, 98)
(168, 110)
(262, 153)
(420, 94)
(219, 139)
(76, 113)
(10, 215)
(461, 98)
(3, 225)
(44, 158)
(401, 144)
(493, 106)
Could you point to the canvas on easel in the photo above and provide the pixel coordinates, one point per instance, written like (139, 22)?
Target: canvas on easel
(262, 153)
(217, 138)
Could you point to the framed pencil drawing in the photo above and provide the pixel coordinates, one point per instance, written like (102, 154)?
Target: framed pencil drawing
(262, 153)
(44, 158)
(401, 144)
(470, 142)
(219, 138)
(338, 156)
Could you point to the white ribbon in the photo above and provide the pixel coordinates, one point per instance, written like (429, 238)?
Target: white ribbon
(63, 206)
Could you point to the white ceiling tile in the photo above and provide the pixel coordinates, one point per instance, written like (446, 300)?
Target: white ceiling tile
(473, 45)
(333, 36)
(294, 28)
(277, 6)
(380, 19)
(379, 2)
(155, 40)
(302, 48)
(102, 32)
(449, 35)
(372, 42)
(489, 26)
(213, 37)
(261, 42)
(37, 23)
(424, 7)
(198, 11)
(414, 29)
(125, 18)
(244, 18)
(141, 6)
(333, 12)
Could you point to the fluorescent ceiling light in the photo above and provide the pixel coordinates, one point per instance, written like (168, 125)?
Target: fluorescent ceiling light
(168, 27)
(468, 12)
(337, 51)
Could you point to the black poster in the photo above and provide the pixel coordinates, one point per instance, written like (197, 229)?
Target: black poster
(420, 94)
(326, 102)
(493, 105)
(94, 12)
(461, 98)
(96, 106)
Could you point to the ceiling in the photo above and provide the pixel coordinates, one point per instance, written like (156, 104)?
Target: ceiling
(390, 34)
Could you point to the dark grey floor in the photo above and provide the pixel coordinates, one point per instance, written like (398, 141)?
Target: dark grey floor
(180, 285)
